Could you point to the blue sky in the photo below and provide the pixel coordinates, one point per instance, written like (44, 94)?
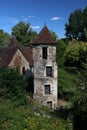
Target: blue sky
(54, 13)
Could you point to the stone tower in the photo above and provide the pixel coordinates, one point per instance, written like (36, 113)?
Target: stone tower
(45, 69)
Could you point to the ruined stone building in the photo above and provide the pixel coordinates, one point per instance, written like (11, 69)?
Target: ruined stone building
(15, 56)
(42, 58)
(45, 68)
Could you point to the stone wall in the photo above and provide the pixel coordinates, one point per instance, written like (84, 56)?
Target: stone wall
(40, 78)
(19, 61)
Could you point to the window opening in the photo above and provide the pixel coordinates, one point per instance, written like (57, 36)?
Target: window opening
(49, 71)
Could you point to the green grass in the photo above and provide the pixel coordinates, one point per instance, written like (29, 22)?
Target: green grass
(23, 117)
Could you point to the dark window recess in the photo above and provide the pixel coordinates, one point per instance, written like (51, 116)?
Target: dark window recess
(44, 52)
(49, 71)
(47, 89)
(23, 70)
(49, 104)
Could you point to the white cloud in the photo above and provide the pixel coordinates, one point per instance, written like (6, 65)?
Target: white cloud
(30, 16)
(55, 18)
(25, 18)
(35, 27)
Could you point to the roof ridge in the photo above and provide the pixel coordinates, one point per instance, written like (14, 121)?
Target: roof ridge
(44, 36)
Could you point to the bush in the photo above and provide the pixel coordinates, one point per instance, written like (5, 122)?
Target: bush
(68, 84)
(23, 118)
(80, 111)
(12, 85)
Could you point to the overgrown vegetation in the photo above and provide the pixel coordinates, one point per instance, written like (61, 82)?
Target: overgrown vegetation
(32, 116)
(13, 85)
(18, 112)
(80, 111)
(73, 79)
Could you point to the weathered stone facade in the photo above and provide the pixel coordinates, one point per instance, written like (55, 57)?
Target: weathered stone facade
(40, 77)
(19, 61)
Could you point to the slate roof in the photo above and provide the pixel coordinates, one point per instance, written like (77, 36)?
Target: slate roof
(44, 37)
(7, 53)
(27, 52)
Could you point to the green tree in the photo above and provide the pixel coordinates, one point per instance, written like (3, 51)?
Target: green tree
(60, 50)
(80, 111)
(76, 54)
(85, 17)
(12, 85)
(23, 33)
(77, 25)
(54, 36)
(84, 34)
(4, 38)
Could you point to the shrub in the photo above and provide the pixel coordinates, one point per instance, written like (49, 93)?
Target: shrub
(13, 85)
(80, 111)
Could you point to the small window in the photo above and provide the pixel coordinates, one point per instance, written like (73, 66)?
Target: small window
(49, 104)
(23, 70)
(49, 71)
(44, 52)
(47, 89)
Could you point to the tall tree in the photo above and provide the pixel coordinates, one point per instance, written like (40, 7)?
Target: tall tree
(23, 32)
(4, 38)
(60, 50)
(54, 36)
(84, 34)
(75, 26)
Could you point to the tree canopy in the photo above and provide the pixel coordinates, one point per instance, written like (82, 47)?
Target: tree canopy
(77, 25)
(24, 33)
(76, 54)
(4, 38)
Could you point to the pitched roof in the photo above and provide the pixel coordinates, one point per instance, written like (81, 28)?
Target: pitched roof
(44, 37)
(6, 55)
(27, 52)
(13, 42)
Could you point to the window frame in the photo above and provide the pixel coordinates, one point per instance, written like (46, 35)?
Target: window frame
(49, 71)
(47, 89)
(44, 52)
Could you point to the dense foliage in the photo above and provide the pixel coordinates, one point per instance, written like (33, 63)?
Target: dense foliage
(68, 84)
(29, 117)
(76, 54)
(4, 38)
(80, 111)
(24, 33)
(13, 85)
(60, 51)
(72, 60)
(77, 25)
